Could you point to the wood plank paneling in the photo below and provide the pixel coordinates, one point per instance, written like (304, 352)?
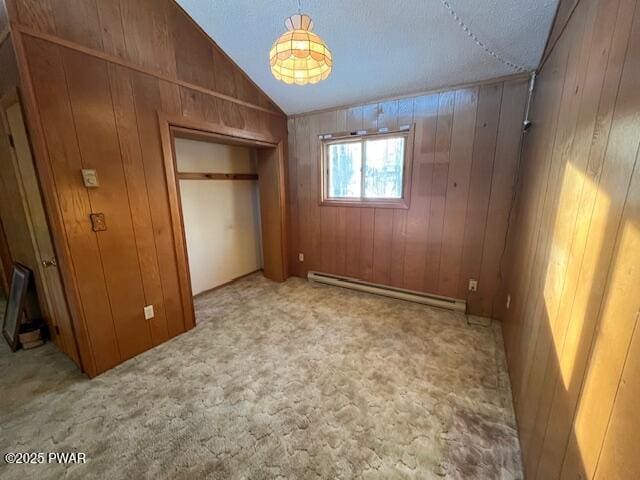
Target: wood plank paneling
(193, 64)
(503, 183)
(382, 239)
(327, 122)
(78, 21)
(484, 148)
(101, 72)
(425, 112)
(457, 134)
(147, 98)
(459, 178)
(148, 35)
(352, 267)
(541, 297)
(144, 33)
(49, 83)
(36, 14)
(438, 191)
(341, 213)
(109, 15)
(367, 215)
(399, 228)
(384, 217)
(126, 122)
(315, 226)
(90, 101)
(571, 331)
(293, 201)
(302, 134)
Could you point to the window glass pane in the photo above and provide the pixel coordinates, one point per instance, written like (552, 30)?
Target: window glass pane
(345, 164)
(383, 168)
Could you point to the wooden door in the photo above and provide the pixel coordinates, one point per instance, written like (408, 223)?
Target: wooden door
(50, 291)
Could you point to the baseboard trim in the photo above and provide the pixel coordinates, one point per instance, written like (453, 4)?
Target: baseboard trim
(217, 287)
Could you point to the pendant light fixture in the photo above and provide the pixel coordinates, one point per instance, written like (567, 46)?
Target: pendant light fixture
(300, 56)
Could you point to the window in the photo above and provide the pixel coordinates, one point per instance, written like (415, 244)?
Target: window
(369, 169)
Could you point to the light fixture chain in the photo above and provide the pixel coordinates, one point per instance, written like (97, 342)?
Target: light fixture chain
(479, 42)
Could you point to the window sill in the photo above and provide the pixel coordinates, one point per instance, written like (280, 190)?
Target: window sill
(373, 203)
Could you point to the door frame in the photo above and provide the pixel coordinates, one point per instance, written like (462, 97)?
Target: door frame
(172, 127)
(65, 335)
(6, 262)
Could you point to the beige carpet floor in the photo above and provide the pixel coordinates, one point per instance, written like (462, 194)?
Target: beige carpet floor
(292, 380)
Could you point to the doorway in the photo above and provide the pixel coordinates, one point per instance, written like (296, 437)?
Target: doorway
(5, 271)
(221, 211)
(269, 168)
(25, 227)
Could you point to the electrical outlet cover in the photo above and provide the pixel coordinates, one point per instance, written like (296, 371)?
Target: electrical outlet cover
(148, 312)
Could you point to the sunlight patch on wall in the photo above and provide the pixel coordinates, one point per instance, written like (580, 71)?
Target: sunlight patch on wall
(582, 301)
(617, 322)
(575, 186)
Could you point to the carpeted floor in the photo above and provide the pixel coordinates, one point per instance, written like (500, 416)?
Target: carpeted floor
(292, 380)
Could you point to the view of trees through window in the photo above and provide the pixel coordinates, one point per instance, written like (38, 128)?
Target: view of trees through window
(345, 167)
(366, 168)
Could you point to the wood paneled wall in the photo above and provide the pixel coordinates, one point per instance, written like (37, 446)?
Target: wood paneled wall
(464, 163)
(571, 333)
(95, 75)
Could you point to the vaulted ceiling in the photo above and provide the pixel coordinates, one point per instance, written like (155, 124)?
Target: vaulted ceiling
(382, 48)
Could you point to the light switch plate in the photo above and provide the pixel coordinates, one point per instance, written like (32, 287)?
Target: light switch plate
(148, 312)
(90, 178)
(473, 285)
(301, 257)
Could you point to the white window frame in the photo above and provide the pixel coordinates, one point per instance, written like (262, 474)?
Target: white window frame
(362, 137)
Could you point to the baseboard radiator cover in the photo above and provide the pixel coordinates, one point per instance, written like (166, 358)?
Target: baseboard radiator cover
(377, 289)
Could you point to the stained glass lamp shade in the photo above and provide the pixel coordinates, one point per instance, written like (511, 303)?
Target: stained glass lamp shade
(300, 56)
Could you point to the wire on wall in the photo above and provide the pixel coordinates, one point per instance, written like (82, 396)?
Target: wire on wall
(479, 42)
(526, 125)
(516, 185)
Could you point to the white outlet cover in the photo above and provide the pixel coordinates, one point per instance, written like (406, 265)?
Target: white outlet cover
(301, 257)
(148, 312)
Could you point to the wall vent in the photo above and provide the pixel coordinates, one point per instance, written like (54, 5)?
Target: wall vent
(399, 293)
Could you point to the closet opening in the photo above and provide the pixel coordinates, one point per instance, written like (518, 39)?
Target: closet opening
(226, 192)
(219, 196)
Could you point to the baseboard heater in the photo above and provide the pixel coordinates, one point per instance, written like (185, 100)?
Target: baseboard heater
(377, 289)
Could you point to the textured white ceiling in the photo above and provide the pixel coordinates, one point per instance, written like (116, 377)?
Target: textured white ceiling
(380, 48)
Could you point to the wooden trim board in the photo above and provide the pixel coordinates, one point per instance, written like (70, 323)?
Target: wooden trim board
(119, 61)
(416, 93)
